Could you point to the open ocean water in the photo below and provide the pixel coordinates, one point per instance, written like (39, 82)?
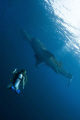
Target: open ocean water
(56, 23)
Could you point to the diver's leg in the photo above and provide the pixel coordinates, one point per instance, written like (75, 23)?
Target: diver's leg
(9, 86)
(17, 83)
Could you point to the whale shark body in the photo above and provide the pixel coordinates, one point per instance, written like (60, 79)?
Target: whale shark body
(42, 55)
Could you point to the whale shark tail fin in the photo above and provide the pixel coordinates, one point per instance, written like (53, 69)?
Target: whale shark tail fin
(69, 82)
(25, 35)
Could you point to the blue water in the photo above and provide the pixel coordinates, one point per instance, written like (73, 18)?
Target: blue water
(46, 96)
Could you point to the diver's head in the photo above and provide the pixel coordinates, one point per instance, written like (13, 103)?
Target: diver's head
(23, 71)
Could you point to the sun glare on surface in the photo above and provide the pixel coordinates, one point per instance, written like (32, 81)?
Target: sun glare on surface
(68, 14)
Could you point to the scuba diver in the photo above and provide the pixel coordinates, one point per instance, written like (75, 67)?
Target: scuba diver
(19, 77)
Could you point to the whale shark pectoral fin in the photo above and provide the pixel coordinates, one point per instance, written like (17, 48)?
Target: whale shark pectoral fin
(38, 61)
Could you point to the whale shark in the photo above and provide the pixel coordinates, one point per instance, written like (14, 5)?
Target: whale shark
(42, 55)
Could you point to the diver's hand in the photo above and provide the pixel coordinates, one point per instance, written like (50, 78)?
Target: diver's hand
(14, 70)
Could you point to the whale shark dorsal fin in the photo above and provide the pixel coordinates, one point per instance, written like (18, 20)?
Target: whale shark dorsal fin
(49, 54)
(61, 64)
(38, 61)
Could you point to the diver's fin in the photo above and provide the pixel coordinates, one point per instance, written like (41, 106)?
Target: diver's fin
(49, 54)
(17, 91)
(38, 61)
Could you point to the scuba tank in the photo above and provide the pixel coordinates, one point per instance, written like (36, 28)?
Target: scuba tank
(18, 81)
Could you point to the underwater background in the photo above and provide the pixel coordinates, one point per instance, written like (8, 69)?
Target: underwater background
(56, 23)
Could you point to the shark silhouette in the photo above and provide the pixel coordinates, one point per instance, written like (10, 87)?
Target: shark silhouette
(42, 55)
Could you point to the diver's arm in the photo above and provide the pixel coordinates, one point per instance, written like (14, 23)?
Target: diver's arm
(15, 71)
(24, 80)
